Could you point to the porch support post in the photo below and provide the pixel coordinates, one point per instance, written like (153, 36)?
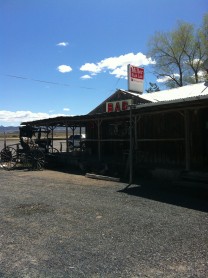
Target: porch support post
(187, 139)
(135, 131)
(47, 132)
(52, 128)
(67, 135)
(131, 149)
(80, 133)
(73, 129)
(131, 145)
(99, 138)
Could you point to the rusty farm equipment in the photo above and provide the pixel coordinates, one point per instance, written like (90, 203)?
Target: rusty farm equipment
(30, 152)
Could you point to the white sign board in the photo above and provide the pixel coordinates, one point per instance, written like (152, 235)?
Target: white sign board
(135, 79)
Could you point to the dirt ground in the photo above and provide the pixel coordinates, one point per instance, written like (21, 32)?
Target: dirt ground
(56, 224)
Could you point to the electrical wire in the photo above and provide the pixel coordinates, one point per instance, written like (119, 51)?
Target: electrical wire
(44, 81)
(36, 80)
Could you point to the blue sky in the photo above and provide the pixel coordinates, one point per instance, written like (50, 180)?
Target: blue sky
(64, 57)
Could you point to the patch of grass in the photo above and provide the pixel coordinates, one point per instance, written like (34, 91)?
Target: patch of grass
(33, 208)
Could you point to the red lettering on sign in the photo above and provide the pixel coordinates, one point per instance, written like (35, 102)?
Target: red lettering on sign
(110, 107)
(124, 105)
(137, 73)
(117, 107)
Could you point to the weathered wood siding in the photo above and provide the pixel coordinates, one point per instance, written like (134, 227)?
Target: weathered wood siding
(159, 138)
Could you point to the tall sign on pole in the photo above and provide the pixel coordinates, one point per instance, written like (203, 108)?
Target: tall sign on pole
(135, 79)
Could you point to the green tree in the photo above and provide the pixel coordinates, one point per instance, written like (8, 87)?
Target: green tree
(203, 35)
(179, 54)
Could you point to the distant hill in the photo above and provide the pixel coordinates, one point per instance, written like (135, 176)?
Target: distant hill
(9, 129)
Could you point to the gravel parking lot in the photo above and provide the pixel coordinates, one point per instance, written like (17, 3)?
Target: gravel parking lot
(57, 224)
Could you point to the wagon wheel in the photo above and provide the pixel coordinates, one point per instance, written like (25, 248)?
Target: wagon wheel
(8, 158)
(70, 146)
(53, 150)
(37, 159)
(83, 146)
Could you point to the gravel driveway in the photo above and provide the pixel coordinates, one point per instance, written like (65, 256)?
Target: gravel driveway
(57, 224)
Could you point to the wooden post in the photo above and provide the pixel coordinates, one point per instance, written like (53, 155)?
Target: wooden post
(99, 143)
(131, 146)
(73, 129)
(47, 132)
(137, 120)
(5, 140)
(131, 149)
(187, 139)
(52, 128)
(67, 145)
(135, 132)
(80, 133)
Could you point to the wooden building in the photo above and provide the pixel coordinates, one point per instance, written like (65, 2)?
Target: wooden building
(167, 129)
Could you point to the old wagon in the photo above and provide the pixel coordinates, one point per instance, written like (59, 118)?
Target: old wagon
(31, 150)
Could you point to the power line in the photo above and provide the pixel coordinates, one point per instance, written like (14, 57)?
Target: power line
(44, 81)
(36, 80)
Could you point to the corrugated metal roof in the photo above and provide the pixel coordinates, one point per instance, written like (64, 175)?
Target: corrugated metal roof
(189, 91)
(195, 95)
(180, 102)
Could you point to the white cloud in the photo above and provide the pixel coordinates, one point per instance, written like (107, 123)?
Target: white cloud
(201, 74)
(117, 65)
(91, 67)
(166, 78)
(66, 109)
(64, 68)
(194, 62)
(86, 76)
(201, 77)
(15, 118)
(163, 79)
(63, 44)
(120, 72)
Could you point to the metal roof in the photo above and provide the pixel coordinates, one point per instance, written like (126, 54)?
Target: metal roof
(188, 91)
(188, 96)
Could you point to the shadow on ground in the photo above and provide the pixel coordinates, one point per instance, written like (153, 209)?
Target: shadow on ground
(191, 197)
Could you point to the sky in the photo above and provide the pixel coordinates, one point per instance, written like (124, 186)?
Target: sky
(65, 57)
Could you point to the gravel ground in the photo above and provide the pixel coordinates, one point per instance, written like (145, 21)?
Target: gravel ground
(57, 224)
